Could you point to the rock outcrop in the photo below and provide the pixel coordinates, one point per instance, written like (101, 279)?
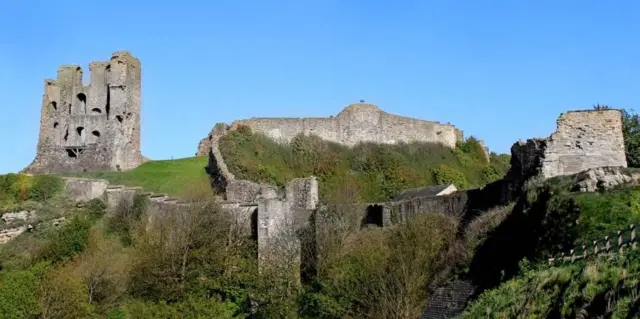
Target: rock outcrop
(604, 178)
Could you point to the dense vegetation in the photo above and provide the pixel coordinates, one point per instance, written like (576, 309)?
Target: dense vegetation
(197, 263)
(597, 288)
(550, 219)
(167, 176)
(377, 172)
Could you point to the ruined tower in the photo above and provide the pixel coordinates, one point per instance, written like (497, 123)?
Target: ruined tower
(94, 127)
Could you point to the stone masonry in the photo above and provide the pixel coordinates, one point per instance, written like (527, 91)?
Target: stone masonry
(583, 140)
(356, 123)
(94, 127)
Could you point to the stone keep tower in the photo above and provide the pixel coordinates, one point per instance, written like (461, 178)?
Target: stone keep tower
(94, 127)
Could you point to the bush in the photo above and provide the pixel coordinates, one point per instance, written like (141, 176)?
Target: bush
(45, 187)
(18, 298)
(380, 273)
(444, 175)
(96, 209)
(126, 216)
(70, 240)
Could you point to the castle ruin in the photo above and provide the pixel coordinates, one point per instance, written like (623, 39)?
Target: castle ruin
(95, 127)
(356, 123)
(583, 139)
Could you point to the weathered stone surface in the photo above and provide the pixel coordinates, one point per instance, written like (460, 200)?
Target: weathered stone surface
(356, 123)
(11, 233)
(603, 178)
(84, 189)
(94, 127)
(583, 140)
(9, 218)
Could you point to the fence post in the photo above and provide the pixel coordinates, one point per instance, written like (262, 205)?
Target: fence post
(620, 243)
(573, 255)
(585, 253)
(595, 248)
(634, 245)
(607, 246)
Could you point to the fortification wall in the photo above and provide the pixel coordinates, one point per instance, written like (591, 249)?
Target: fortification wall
(583, 140)
(94, 127)
(354, 124)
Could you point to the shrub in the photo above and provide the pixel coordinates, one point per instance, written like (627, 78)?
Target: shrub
(126, 216)
(62, 295)
(444, 174)
(71, 239)
(96, 208)
(18, 289)
(45, 187)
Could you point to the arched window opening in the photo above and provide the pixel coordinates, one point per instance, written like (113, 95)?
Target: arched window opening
(83, 101)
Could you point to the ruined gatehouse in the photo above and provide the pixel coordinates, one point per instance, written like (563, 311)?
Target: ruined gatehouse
(94, 127)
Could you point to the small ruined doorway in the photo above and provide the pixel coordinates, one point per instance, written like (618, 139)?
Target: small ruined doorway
(374, 216)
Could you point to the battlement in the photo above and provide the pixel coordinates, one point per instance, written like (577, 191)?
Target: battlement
(100, 121)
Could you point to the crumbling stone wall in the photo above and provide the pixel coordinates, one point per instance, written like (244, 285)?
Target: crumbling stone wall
(583, 140)
(283, 222)
(356, 123)
(94, 127)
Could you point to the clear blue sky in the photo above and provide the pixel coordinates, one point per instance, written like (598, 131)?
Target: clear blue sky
(499, 70)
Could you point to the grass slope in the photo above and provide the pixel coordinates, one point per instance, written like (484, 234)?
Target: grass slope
(372, 171)
(557, 219)
(166, 176)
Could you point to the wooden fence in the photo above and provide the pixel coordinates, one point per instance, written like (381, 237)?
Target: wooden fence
(624, 240)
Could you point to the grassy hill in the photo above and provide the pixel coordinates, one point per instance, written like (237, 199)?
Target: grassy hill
(372, 172)
(166, 176)
(551, 219)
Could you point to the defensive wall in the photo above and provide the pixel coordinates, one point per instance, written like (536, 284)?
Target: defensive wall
(267, 218)
(93, 127)
(356, 123)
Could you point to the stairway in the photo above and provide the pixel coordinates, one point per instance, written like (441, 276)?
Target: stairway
(449, 301)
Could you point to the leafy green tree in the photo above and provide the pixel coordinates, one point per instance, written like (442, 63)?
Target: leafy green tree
(631, 131)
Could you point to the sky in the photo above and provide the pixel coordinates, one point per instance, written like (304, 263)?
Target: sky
(499, 70)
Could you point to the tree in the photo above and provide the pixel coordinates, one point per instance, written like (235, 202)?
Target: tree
(631, 132)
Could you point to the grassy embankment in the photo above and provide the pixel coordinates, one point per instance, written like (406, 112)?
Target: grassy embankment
(558, 220)
(165, 176)
(373, 172)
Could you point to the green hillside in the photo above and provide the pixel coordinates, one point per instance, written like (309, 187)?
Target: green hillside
(371, 172)
(551, 219)
(166, 176)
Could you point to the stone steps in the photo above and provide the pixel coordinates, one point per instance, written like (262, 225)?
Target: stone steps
(449, 301)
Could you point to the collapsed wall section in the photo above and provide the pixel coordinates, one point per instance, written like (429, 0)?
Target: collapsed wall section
(94, 127)
(583, 140)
